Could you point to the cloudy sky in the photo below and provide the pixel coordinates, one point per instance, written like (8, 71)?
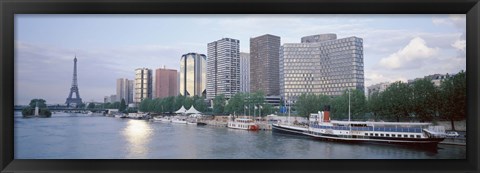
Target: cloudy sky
(396, 47)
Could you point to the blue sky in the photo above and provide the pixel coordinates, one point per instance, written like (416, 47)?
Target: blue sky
(396, 47)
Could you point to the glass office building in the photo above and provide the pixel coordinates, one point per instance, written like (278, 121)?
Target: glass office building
(321, 64)
(193, 77)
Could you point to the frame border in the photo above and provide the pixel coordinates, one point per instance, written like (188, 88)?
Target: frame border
(8, 8)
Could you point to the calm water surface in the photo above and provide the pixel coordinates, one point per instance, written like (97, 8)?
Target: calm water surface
(79, 136)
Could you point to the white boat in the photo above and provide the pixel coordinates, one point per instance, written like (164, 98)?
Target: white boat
(162, 119)
(120, 116)
(242, 123)
(179, 121)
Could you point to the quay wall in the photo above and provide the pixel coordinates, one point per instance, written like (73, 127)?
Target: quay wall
(459, 125)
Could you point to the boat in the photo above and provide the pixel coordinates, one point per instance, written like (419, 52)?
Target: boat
(321, 127)
(289, 129)
(179, 121)
(364, 131)
(242, 123)
(162, 119)
(120, 116)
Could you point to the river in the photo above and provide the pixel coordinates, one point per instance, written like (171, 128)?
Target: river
(79, 136)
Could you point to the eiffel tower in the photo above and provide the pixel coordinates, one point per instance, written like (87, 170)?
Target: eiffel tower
(77, 100)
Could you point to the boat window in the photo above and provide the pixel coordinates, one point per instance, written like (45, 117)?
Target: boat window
(388, 135)
(371, 134)
(412, 136)
(418, 136)
(381, 135)
(376, 134)
(393, 135)
(405, 136)
(366, 134)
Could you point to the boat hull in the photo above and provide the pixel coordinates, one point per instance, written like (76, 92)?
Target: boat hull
(288, 130)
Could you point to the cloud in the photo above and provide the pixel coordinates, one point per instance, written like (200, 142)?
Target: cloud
(411, 56)
(460, 45)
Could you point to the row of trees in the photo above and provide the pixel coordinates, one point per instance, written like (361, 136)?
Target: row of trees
(420, 100)
(172, 104)
(240, 103)
(243, 104)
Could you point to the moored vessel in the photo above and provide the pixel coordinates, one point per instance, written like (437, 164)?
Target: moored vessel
(242, 123)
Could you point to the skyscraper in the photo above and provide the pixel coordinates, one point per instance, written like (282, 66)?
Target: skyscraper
(193, 77)
(244, 72)
(264, 64)
(165, 83)
(321, 64)
(143, 84)
(125, 90)
(223, 68)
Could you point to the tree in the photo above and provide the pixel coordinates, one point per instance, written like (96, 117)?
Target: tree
(91, 106)
(376, 105)
(219, 104)
(122, 105)
(41, 103)
(145, 105)
(397, 100)
(340, 105)
(235, 104)
(454, 98)
(311, 103)
(424, 99)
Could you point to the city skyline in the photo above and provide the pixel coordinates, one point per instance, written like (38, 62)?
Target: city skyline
(108, 47)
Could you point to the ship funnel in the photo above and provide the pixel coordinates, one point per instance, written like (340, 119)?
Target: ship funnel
(326, 113)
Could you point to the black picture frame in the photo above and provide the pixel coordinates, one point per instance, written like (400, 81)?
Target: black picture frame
(8, 8)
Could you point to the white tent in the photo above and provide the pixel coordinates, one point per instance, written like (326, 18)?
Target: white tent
(192, 110)
(181, 110)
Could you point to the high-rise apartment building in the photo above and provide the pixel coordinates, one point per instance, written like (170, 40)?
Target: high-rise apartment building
(143, 84)
(264, 64)
(193, 75)
(125, 90)
(223, 68)
(321, 64)
(165, 83)
(244, 72)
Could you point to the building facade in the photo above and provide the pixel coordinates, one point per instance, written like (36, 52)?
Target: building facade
(321, 64)
(125, 90)
(223, 68)
(143, 84)
(264, 64)
(244, 72)
(193, 75)
(165, 83)
(377, 88)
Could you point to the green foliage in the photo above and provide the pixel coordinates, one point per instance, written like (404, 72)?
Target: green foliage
(236, 104)
(358, 105)
(454, 98)
(122, 105)
(424, 99)
(219, 104)
(91, 106)
(28, 111)
(421, 100)
(311, 103)
(41, 103)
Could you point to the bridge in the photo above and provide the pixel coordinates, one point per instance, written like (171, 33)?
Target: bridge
(64, 108)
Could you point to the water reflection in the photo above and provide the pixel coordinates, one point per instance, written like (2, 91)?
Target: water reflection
(137, 134)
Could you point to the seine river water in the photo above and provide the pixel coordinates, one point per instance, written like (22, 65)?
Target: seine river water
(79, 136)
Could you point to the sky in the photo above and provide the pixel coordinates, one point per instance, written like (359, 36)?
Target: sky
(108, 47)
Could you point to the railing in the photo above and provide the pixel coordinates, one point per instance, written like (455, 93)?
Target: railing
(380, 129)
